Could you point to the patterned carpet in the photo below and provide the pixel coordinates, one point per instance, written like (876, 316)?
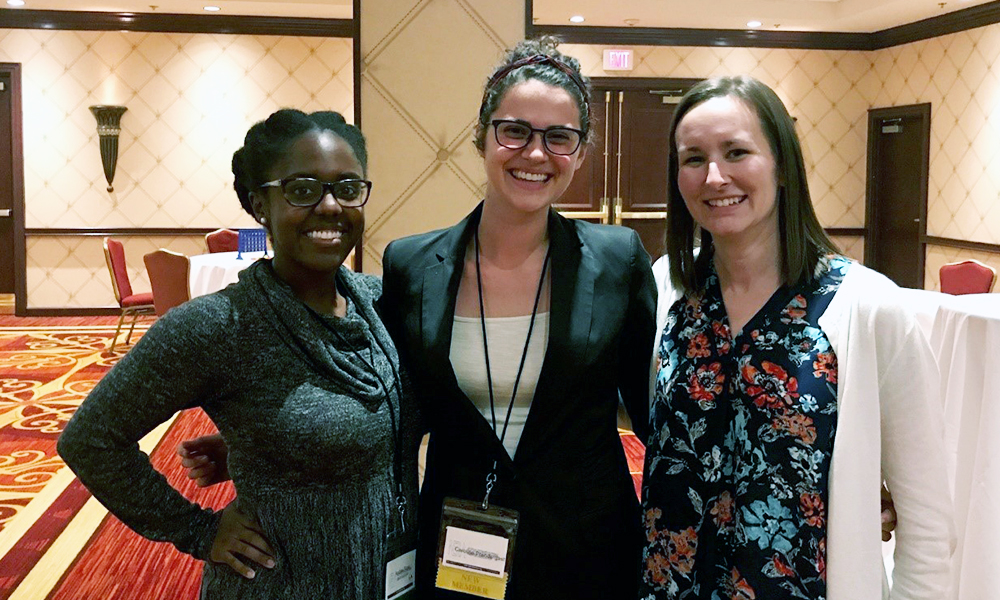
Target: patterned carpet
(56, 542)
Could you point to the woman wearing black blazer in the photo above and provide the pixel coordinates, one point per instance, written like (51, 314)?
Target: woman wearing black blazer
(515, 258)
(580, 532)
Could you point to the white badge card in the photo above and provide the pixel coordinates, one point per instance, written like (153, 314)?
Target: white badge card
(400, 565)
(475, 548)
(474, 551)
(400, 575)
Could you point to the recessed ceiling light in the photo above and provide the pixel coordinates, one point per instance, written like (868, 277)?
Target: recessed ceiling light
(754, 24)
(212, 8)
(15, 2)
(576, 19)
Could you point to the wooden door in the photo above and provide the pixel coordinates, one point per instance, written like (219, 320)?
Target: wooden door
(896, 207)
(623, 180)
(7, 263)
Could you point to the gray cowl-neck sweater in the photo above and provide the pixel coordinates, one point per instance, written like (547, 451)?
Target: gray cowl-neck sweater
(303, 413)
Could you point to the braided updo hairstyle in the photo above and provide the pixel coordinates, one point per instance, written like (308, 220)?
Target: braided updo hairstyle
(508, 74)
(268, 141)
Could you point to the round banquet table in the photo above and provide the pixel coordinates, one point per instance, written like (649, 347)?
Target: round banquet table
(966, 341)
(212, 272)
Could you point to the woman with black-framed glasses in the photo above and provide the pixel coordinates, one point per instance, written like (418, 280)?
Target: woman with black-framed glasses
(521, 329)
(295, 368)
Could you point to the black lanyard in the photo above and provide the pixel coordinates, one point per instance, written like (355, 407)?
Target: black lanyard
(397, 430)
(492, 477)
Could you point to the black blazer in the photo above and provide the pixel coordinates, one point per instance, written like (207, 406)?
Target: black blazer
(580, 534)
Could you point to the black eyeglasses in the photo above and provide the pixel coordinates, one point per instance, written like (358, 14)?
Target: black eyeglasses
(517, 134)
(306, 191)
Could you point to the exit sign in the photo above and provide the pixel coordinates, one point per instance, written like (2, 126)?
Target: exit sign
(617, 60)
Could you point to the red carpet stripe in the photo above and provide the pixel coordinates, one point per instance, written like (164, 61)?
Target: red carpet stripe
(635, 453)
(33, 544)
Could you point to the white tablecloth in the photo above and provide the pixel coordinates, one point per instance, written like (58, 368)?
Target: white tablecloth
(212, 272)
(924, 304)
(966, 340)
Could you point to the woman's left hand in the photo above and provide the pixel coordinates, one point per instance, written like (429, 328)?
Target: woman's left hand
(238, 541)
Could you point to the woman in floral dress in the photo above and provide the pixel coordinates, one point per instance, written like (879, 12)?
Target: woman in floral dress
(789, 384)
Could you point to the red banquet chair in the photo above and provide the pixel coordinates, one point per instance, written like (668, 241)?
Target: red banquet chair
(967, 277)
(222, 240)
(168, 276)
(131, 303)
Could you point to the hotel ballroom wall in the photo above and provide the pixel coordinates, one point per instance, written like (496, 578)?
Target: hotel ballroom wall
(435, 176)
(830, 92)
(190, 97)
(420, 95)
(190, 100)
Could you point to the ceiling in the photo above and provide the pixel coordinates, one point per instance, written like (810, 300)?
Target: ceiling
(777, 15)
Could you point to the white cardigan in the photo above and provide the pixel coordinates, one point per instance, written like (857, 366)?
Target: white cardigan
(889, 426)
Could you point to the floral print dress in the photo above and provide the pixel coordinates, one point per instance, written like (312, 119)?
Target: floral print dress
(742, 426)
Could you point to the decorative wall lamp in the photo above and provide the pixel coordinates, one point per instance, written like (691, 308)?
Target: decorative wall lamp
(108, 127)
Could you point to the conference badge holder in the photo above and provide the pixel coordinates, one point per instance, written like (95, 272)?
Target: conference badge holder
(400, 565)
(475, 548)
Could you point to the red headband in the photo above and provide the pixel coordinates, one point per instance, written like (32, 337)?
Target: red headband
(536, 60)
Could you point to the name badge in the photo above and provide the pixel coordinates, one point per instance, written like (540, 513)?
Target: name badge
(400, 575)
(475, 548)
(474, 551)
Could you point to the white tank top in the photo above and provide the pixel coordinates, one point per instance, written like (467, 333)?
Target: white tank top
(506, 337)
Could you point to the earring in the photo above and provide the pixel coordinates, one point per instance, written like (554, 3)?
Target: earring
(263, 220)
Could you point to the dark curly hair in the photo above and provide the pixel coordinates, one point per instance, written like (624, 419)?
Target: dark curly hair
(268, 141)
(559, 70)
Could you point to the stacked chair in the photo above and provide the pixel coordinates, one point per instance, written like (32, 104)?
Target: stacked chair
(131, 304)
(222, 240)
(168, 275)
(967, 277)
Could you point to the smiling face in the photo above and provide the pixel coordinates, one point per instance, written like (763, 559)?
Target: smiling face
(310, 242)
(726, 171)
(530, 179)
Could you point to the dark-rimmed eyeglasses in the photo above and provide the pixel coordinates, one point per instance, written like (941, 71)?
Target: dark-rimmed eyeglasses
(515, 135)
(306, 191)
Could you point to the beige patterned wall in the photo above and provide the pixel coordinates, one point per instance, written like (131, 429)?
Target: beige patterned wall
(190, 99)
(852, 246)
(73, 269)
(830, 93)
(959, 75)
(424, 63)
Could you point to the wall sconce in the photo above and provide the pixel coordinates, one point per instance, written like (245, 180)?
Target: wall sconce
(108, 127)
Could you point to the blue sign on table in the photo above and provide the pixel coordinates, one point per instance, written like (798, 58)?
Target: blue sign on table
(252, 240)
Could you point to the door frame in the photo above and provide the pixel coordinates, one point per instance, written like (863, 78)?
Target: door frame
(16, 134)
(923, 111)
(676, 87)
